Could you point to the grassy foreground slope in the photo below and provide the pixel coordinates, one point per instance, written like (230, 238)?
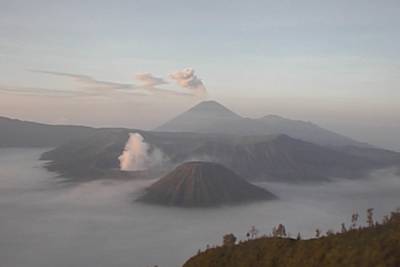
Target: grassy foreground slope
(377, 246)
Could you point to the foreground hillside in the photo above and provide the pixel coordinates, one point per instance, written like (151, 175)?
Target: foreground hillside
(374, 246)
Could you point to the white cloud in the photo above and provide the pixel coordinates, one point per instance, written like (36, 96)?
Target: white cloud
(148, 80)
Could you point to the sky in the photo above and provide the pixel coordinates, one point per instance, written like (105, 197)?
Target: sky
(140, 63)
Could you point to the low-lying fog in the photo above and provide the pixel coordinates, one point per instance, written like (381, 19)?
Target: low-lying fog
(45, 224)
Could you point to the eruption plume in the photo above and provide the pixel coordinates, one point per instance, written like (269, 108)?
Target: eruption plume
(186, 78)
(138, 155)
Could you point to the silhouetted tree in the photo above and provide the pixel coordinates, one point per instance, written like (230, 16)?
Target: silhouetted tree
(370, 217)
(229, 240)
(386, 219)
(317, 233)
(354, 219)
(279, 231)
(344, 229)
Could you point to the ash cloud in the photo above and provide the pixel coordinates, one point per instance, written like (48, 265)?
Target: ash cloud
(186, 78)
(138, 155)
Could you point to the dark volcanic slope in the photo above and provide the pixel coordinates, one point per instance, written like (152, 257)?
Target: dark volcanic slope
(276, 157)
(202, 184)
(286, 159)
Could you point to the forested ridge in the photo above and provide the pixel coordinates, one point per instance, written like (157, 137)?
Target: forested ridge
(375, 245)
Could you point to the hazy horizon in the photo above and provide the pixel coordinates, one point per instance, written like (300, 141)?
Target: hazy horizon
(387, 140)
(138, 63)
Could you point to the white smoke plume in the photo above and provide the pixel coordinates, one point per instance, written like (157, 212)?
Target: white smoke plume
(187, 79)
(138, 155)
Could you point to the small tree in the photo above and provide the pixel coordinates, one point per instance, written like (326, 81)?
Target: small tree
(370, 217)
(344, 229)
(386, 219)
(317, 233)
(395, 216)
(281, 231)
(229, 240)
(253, 232)
(354, 219)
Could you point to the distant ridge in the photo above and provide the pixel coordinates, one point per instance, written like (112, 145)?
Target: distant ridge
(206, 117)
(200, 183)
(212, 117)
(19, 133)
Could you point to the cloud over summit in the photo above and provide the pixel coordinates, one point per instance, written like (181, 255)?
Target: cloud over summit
(186, 78)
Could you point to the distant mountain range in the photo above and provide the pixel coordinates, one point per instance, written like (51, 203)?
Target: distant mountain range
(212, 117)
(18, 133)
(206, 117)
(207, 132)
(261, 158)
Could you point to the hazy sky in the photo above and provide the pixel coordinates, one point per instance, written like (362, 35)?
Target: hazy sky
(120, 62)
